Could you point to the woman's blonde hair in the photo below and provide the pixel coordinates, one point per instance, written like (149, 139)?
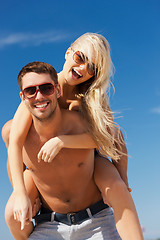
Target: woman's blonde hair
(94, 94)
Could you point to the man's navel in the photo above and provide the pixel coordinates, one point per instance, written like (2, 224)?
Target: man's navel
(80, 164)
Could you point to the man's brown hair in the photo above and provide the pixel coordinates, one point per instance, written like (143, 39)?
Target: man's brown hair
(37, 67)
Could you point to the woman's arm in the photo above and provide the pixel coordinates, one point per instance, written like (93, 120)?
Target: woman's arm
(19, 129)
(52, 147)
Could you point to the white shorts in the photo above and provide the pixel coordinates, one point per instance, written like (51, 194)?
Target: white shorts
(100, 226)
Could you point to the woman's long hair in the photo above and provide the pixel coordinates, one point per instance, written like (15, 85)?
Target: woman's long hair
(94, 95)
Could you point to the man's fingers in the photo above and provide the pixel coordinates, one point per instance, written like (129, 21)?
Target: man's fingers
(30, 214)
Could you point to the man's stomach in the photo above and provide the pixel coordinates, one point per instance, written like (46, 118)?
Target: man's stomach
(68, 194)
(70, 202)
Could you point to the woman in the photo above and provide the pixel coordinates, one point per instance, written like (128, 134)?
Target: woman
(84, 80)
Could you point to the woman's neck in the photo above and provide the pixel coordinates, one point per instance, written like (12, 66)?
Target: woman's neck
(67, 91)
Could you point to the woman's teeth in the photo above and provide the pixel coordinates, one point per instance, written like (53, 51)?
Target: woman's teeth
(77, 73)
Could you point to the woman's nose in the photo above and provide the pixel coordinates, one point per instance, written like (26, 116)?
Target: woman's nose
(84, 65)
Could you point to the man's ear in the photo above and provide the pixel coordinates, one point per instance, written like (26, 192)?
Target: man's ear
(21, 96)
(58, 90)
(67, 52)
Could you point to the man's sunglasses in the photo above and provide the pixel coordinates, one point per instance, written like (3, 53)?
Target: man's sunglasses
(45, 89)
(80, 58)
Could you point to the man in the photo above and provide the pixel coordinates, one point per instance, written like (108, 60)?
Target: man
(71, 187)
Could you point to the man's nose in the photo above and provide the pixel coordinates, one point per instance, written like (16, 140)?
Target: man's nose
(39, 95)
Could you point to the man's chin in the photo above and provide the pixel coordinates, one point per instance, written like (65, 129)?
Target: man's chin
(43, 117)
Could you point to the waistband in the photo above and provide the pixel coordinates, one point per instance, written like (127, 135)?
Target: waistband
(70, 218)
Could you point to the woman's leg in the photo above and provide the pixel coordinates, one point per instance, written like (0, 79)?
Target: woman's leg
(115, 193)
(15, 226)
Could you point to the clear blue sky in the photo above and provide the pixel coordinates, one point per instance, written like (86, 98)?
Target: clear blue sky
(43, 30)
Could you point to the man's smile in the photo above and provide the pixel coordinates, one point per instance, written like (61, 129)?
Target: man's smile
(41, 105)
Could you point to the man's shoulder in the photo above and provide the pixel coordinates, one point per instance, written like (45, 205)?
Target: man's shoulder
(71, 114)
(74, 119)
(6, 131)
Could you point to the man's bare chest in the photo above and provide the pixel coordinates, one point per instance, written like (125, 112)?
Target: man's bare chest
(67, 160)
(65, 177)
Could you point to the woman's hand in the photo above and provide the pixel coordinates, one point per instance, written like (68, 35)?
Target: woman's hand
(22, 209)
(50, 149)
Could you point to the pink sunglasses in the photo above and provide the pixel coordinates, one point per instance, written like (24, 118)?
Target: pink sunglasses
(45, 89)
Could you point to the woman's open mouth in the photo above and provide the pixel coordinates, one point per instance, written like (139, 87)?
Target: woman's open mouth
(76, 73)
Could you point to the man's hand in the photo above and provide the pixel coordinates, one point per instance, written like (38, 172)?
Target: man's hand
(50, 149)
(22, 209)
(36, 206)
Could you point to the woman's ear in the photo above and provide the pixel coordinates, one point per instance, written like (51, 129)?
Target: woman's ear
(67, 52)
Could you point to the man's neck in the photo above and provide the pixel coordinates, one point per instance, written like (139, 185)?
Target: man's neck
(50, 127)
